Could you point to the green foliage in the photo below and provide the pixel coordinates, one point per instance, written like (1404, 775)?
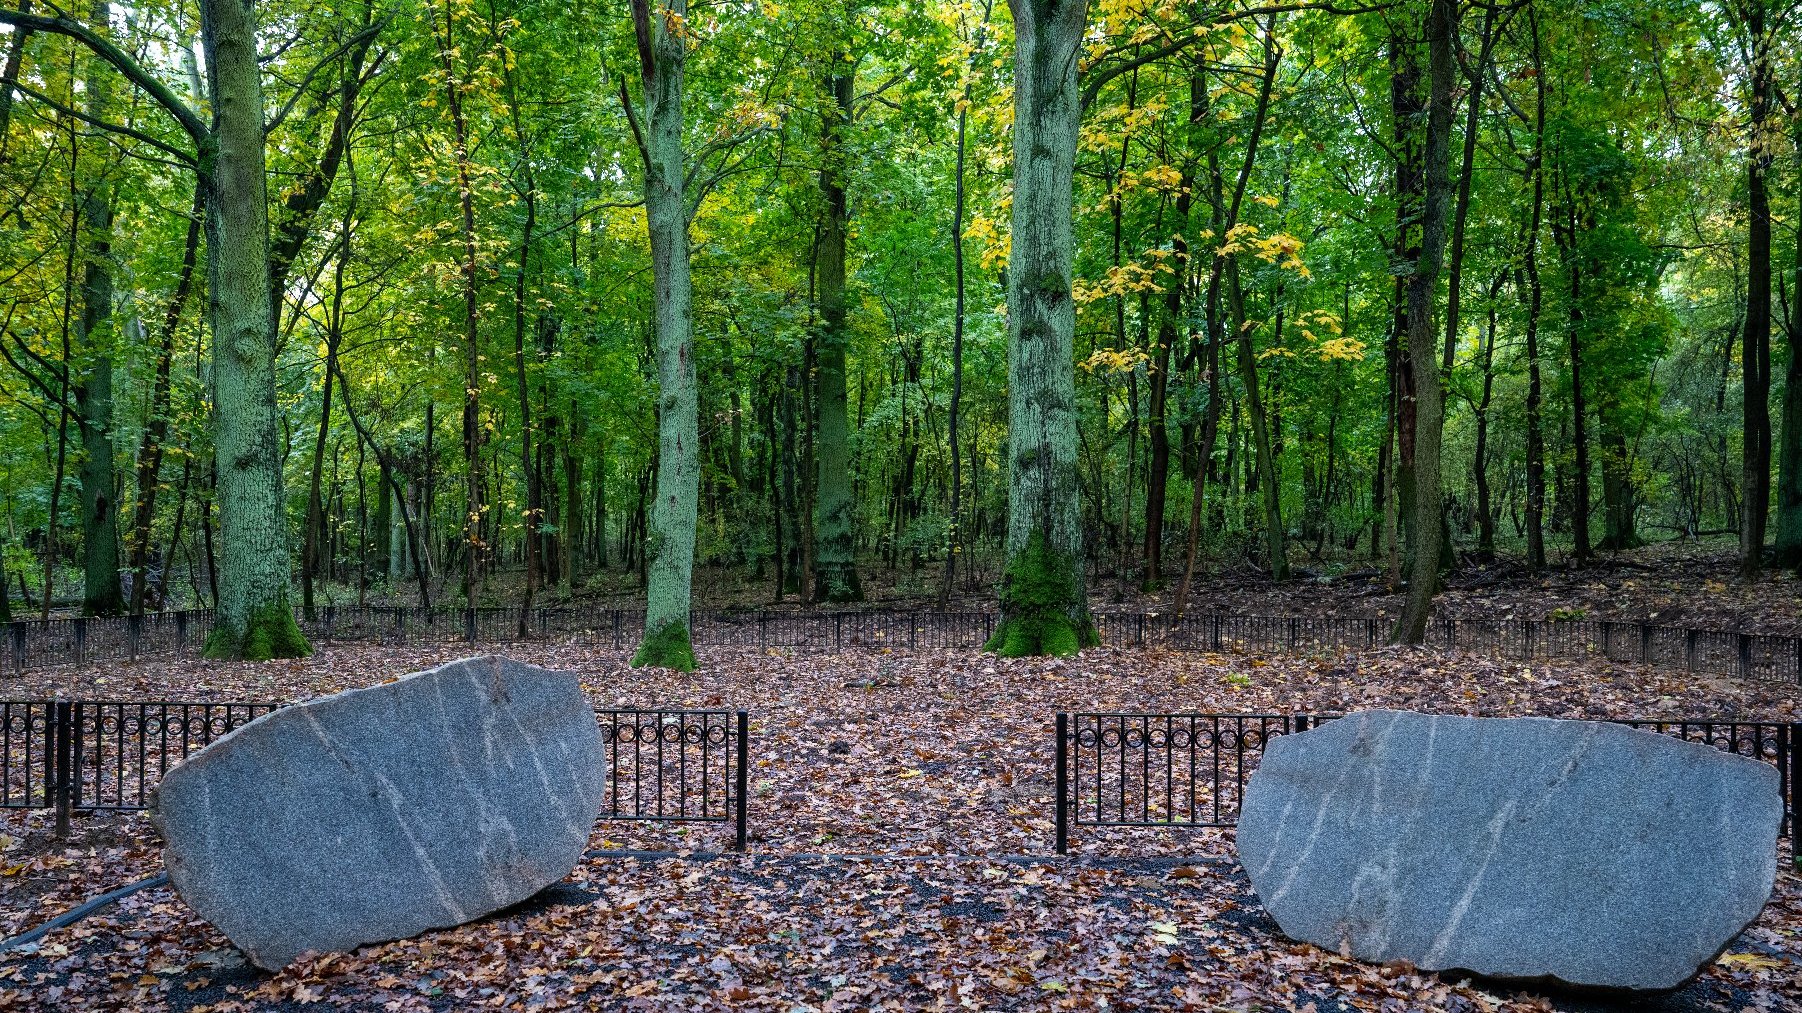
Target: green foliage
(666, 647)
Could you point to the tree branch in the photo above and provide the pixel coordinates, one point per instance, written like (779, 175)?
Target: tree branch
(115, 128)
(121, 60)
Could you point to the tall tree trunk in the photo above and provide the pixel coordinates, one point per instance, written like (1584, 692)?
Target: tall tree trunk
(474, 508)
(1789, 456)
(1535, 300)
(1429, 399)
(835, 505)
(1480, 459)
(1756, 347)
(534, 516)
(156, 426)
(315, 523)
(1157, 472)
(101, 595)
(1454, 273)
(673, 514)
(254, 620)
(1275, 537)
(1044, 607)
(954, 527)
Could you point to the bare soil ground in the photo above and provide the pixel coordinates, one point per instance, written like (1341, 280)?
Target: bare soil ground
(901, 818)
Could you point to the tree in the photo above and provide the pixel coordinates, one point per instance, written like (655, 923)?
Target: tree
(1044, 608)
(254, 620)
(663, 54)
(1421, 283)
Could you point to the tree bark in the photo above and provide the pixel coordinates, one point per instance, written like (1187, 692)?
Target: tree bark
(835, 506)
(1535, 300)
(101, 595)
(1429, 398)
(1789, 455)
(1044, 607)
(673, 513)
(1756, 346)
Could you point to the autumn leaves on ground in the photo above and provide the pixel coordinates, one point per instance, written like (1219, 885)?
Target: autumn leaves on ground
(901, 828)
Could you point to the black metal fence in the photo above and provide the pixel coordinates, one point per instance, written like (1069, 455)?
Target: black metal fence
(35, 643)
(663, 765)
(1189, 770)
(668, 766)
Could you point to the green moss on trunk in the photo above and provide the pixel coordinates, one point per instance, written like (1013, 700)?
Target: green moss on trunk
(271, 632)
(666, 647)
(1042, 608)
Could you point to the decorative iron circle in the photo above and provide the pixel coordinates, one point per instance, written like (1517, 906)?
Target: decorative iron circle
(1086, 737)
(716, 734)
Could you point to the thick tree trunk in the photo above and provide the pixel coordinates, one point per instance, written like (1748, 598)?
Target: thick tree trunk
(1044, 607)
(101, 595)
(1429, 400)
(835, 506)
(253, 620)
(673, 513)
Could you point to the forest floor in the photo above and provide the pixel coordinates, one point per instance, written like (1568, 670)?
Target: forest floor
(1679, 583)
(901, 827)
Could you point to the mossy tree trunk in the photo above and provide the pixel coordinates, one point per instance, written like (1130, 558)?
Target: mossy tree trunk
(101, 595)
(254, 620)
(673, 513)
(835, 505)
(1044, 607)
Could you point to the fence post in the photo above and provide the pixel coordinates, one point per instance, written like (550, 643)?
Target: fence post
(1301, 722)
(1795, 791)
(469, 625)
(838, 631)
(18, 640)
(181, 632)
(1063, 783)
(1370, 633)
(134, 626)
(1645, 644)
(744, 780)
(1689, 650)
(1745, 655)
(1214, 641)
(57, 776)
(81, 640)
(616, 643)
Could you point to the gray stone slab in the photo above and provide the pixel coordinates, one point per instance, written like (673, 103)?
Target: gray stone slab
(1564, 852)
(379, 813)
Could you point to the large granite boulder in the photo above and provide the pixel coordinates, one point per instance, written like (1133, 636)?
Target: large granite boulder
(1559, 852)
(380, 813)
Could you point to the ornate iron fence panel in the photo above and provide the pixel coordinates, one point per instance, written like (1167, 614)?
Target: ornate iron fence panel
(27, 743)
(677, 766)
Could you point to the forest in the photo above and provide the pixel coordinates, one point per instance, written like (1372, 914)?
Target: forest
(502, 302)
